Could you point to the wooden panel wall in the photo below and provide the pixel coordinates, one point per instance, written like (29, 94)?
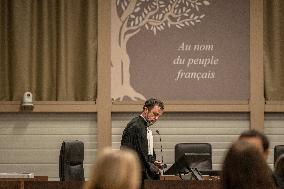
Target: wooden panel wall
(218, 129)
(31, 142)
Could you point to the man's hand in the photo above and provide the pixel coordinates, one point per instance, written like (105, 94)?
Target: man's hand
(159, 164)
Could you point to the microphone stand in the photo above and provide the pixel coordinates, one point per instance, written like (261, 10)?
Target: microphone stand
(161, 150)
(162, 156)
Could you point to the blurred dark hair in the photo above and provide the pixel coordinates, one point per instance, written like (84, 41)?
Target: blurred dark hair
(151, 102)
(245, 168)
(256, 134)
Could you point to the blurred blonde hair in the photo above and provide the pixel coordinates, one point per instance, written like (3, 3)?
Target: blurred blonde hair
(115, 169)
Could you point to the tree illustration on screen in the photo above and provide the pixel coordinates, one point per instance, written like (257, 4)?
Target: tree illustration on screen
(129, 18)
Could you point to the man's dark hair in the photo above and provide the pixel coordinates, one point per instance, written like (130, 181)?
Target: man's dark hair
(151, 102)
(256, 134)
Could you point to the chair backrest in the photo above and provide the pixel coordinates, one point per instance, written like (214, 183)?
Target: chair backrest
(198, 148)
(278, 150)
(71, 161)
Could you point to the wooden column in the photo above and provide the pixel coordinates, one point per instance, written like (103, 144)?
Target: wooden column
(104, 75)
(256, 65)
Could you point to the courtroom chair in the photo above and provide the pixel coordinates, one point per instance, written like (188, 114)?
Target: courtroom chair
(71, 161)
(278, 150)
(196, 148)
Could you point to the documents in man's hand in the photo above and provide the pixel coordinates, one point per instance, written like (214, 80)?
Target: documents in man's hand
(16, 175)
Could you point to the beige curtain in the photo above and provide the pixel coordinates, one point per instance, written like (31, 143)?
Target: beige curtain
(48, 47)
(274, 49)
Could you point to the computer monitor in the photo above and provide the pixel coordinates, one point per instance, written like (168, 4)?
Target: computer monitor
(201, 161)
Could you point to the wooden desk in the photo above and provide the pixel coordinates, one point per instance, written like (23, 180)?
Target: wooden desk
(40, 185)
(53, 185)
(181, 184)
(169, 177)
(18, 183)
(10, 184)
(148, 184)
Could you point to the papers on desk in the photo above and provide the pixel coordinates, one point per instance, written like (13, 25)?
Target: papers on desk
(16, 175)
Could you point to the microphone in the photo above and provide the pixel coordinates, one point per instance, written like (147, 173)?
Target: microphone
(163, 165)
(157, 131)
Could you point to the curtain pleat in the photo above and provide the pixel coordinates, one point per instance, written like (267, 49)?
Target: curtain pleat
(48, 47)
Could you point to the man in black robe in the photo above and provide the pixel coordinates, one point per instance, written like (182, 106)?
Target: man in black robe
(138, 137)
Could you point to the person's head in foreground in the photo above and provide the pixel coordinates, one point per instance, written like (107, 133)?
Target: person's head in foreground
(245, 168)
(258, 139)
(115, 169)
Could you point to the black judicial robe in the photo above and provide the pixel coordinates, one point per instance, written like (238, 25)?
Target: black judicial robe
(135, 137)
